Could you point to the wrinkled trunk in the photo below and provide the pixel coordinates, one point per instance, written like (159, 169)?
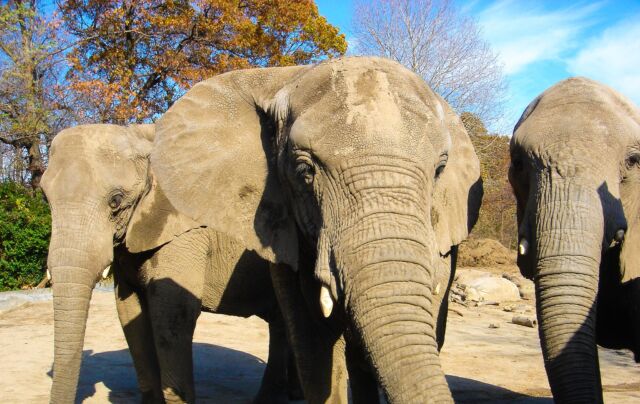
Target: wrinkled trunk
(569, 230)
(71, 298)
(389, 297)
(78, 252)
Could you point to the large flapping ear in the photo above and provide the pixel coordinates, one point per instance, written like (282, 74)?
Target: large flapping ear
(215, 158)
(154, 221)
(630, 198)
(458, 191)
(629, 254)
(628, 125)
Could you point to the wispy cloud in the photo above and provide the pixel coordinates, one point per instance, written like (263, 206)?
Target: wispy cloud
(524, 33)
(613, 58)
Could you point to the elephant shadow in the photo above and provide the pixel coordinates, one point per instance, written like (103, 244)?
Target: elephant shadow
(221, 375)
(473, 391)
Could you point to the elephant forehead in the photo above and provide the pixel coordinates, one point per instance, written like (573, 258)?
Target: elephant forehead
(359, 108)
(110, 141)
(582, 113)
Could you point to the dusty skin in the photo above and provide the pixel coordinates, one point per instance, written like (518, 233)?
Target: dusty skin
(482, 364)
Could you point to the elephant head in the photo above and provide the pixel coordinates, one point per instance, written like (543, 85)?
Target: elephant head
(102, 194)
(355, 160)
(575, 171)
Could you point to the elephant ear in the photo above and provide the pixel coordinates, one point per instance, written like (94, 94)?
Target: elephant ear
(215, 158)
(458, 191)
(629, 254)
(154, 221)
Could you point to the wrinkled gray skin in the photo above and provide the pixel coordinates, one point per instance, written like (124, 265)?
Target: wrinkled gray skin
(108, 210)
(336, 171)
(575, 171)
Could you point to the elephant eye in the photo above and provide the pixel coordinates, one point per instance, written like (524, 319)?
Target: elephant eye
(633, 160)
(441, 165)
(115, 201)
(304, 170)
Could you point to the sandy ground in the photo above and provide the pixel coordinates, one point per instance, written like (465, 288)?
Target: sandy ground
(482, 364)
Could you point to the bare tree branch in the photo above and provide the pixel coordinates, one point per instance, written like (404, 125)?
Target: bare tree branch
(444, 47)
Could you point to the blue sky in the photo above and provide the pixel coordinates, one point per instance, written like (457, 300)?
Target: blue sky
(543, 42)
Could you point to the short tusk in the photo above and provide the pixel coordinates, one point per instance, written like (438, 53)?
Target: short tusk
(48, 275)
(326, 303)
(105, 272)
(619, 236)
(523, 248)
(436, 291)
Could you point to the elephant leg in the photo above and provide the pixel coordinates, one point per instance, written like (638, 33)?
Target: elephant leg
(174, 313)
(273, 388)
(319, 353)
(137, 331)
(294, 387)
(174, 289)
(364, 387)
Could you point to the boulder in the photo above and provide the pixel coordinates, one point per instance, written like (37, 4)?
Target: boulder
(472, 295)
(466, 275)
(480, 286)
(525, 286)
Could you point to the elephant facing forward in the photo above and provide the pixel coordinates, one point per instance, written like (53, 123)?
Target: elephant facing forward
(356, 175)
(575, 171)
(107, 209)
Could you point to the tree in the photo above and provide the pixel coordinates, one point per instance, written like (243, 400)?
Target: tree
(497, 218)
(29, 70)
(442, 46)
(25, 228)
(135, 58)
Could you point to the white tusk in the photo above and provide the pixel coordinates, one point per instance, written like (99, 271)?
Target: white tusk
(436, 291)
(105, 272)
(523, 248)
(48, 274)
(326, 303)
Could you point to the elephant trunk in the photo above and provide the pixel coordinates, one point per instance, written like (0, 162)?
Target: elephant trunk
(78, 253)
(569, 230)
(71, 296)
(389, 298)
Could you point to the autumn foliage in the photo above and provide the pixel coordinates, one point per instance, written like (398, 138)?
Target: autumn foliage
(135, 58)
(498, 212)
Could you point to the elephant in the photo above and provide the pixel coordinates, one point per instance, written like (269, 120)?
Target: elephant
(107, 210)
(351, 176)
(575, 170)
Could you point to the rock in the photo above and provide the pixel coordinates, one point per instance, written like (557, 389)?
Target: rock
(484, 252)
(466, 276)
(494, 325)
(525, 286)
(471, 294)
(494, 289)
(525, 321)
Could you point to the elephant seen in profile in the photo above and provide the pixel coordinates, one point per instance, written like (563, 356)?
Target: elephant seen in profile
(108, 210)
(357, 182)
(575, 171)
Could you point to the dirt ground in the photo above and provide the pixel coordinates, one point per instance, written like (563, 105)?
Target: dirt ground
(482, 364)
